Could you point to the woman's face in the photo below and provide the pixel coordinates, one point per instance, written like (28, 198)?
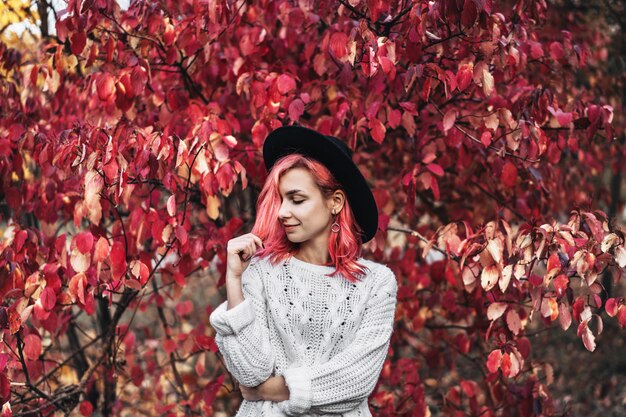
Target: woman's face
(304, 212)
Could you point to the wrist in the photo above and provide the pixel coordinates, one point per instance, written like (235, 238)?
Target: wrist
(274, 389)
(232, 276)
(234, 292)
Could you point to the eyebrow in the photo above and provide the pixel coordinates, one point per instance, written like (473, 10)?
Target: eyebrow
(292, 192)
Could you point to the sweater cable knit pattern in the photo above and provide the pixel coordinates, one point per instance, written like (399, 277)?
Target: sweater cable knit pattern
(328, 337)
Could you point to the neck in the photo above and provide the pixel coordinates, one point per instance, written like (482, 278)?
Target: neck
(313, 253)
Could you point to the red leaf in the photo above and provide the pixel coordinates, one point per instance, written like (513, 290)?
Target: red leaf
(77, 286)
(513, 322)
(494, 360)
(612, 306)
(509, 175)
(181, 234)
(426, 89)
(483, 76)
(171, 205)
(535, 280)
(560, 284)
(429, 157)
(182, 153)
(48, 298)
(485, 138)
(469, 14)
(448, 120)
(86, 408)
(221, 154)
(15, 321)
(61, 28)
(549, 308)
(32, 347)
(212, 388)
(468, 388)
(20, 239)
(489, 277)
(140, 271)
(496, 310)
(179, 279)
(105, 85)
(84, 242)
(564, 119)
(372, 110)
(200, 366)
(578, 307)
(565, 317)
(377, 129)
(118, 260)
(259, 133)
(338, 44)
(137, 375)
(93, 185)
(102, 250)
(554, 262)
(80, 262)
(387, 66)
(589, 340)
(176, 97)
(464, 76)
(536, 50)
(5, 391)
(286, 84)
(169, 346)
(296, 109)
(230, 141)
(394, 118)
(556, 51)
(78, 41)
(184, 308)
(435, 169)
(510, 365)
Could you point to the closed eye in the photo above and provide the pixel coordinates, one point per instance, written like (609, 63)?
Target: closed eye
(297, 201)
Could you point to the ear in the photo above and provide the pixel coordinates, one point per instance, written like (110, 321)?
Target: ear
(337, 201)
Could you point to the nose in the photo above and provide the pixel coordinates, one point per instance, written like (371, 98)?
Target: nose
(283, 211)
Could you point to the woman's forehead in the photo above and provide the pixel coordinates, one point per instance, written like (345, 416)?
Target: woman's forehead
(296, 179)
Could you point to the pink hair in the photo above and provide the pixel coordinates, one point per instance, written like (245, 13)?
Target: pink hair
(344, 247)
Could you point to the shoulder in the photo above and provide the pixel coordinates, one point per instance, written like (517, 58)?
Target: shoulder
(378, 274)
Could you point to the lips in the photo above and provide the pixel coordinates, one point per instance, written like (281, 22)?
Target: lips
(289, 226)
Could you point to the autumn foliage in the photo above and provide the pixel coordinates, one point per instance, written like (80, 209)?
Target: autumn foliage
(129, 155)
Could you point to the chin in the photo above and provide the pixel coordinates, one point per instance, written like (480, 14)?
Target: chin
(294, 239)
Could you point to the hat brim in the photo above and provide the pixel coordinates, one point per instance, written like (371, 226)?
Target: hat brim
(296, 139)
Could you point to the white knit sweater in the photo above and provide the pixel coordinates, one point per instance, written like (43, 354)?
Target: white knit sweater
(327, 336)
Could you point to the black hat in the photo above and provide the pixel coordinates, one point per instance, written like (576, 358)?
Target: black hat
(337, 157)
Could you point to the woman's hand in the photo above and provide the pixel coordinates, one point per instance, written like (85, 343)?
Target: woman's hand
(239, 251)
(273, 389)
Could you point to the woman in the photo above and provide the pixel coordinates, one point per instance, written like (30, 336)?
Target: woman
(306, 325)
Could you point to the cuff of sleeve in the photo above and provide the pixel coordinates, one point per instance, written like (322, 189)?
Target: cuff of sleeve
(227, 322)
(298, 381)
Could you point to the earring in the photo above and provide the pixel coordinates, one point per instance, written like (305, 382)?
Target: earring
(335, 228)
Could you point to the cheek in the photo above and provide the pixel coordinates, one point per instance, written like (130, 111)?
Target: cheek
(312, 214)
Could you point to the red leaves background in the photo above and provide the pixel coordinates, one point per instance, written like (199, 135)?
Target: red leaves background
(129, 143)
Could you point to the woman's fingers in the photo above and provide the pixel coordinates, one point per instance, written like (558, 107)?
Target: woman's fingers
(240, 250)
(247, 244)
(258, 240)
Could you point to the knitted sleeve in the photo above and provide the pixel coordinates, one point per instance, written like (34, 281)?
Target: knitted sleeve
(242, 334)
(347, 379)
